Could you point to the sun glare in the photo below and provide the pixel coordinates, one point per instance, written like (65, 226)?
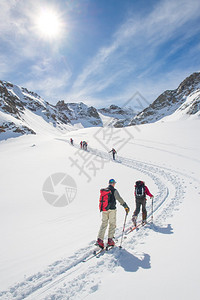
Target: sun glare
(49, 25)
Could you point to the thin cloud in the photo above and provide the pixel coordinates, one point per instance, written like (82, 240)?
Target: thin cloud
(19, 39)
(144, 37)
(38, 63)
(50, 76)
(50, 87)
(134, 59)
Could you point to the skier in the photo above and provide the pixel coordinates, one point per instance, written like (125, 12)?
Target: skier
(84, 145)
(113, 153)
(141, 190)
(71, 141)
(81, 144)
(107, 205)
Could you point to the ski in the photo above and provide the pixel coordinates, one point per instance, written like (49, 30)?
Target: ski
(94, 253)
(98, 253)
(106, 249)
(132, 228)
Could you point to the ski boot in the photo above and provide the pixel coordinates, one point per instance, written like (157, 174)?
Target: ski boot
(134, 219)
(144, 222)
(144, 218)
(111, 242)
(100, 243)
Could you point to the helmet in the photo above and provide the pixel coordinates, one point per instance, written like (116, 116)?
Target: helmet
(112, 181)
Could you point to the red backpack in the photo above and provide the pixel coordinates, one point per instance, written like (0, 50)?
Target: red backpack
(104, 199)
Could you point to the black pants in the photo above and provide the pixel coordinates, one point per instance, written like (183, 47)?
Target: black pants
(140, 202)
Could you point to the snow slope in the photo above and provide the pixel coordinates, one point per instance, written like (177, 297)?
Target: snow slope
(42, 247)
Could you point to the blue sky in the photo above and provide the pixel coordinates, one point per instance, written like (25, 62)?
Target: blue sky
(105, 51)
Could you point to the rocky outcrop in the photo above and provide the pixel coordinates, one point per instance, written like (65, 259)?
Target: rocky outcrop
(15, 102)
(80, 113)
(119, 116)
(170, 101)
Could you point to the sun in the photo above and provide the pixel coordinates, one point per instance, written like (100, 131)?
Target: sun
(48, 24)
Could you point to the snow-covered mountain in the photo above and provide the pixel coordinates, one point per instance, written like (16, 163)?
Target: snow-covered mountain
(117, 116)
(189, 109)
(25, 112)
(80, 114)
(181, 102)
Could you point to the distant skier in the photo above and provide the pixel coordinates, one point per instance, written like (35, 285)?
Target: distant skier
(71, 141)
(81, 144)
(141, 190)
(84, 145)
(107, 205)
(114, 152)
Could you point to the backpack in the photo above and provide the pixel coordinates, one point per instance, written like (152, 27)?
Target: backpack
(104, 199)
(140, 189)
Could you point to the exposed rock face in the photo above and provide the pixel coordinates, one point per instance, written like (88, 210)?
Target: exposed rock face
(170, 101)
(114, 110)
(10, 126)
(15, 102)
(119, 117)
(79, 113)
(9, 103)
(195, 107)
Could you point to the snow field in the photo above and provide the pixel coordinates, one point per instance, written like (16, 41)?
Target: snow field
(157, 262)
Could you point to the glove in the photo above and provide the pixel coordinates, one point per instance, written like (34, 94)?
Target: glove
(152, 197)
(127, 210)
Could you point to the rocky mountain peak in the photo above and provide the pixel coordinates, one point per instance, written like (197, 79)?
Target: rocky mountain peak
(189, 84)
(80, 114)
(62, 106)
(170, 101)
(23, 111)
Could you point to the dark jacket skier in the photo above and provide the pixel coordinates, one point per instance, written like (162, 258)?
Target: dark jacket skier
(113, 153)
(141, 191)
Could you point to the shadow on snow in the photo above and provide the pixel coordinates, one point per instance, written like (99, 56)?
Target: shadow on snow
(164, 230)
(131, 263)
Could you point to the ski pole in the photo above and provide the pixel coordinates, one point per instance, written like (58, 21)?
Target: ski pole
(152, 210)
(123, 230)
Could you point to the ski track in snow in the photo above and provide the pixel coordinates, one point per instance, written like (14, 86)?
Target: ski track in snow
(59, 280)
